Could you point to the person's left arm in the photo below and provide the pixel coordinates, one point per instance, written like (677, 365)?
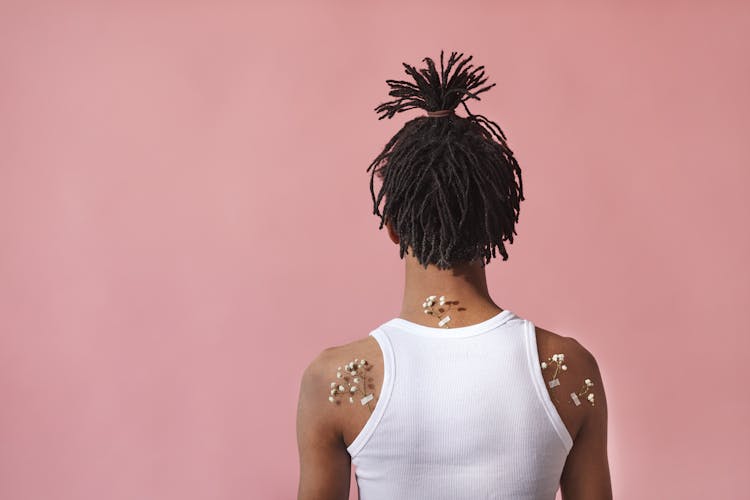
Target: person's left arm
(325, 465)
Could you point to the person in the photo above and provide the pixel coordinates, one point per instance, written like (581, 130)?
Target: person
(456, 398)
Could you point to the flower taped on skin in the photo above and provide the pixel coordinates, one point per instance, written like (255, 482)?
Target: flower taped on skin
(586, 385)
(557, 359)
(560, 366)
(352, 380)
(442, 310)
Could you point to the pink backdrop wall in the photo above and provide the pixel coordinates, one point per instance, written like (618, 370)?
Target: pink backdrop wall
(185, 221)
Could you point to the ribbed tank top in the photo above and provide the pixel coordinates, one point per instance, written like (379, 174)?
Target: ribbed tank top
(463, 413)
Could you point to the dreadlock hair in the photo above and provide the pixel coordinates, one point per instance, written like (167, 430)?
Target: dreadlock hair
(449, 182)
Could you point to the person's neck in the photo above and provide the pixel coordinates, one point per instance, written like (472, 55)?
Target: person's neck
(464, 285)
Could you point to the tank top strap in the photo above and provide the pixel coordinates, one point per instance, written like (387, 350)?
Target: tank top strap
(532, 355)
(389, 374)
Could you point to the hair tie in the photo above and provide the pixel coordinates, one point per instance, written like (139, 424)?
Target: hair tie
(440, 113)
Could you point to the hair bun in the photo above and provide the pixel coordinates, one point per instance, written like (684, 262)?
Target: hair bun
(436, 91)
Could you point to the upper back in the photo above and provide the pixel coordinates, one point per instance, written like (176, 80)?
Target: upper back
(460, 412)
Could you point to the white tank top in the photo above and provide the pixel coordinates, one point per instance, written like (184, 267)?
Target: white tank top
(463, 413)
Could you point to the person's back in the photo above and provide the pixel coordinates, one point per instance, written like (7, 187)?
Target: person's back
(467, 413)
(462, 413)
(456, 398)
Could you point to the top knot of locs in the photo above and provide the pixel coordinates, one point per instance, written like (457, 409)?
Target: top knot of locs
(437, 92)
(449, 182)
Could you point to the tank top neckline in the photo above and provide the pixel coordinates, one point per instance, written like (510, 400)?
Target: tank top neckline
(457, 332)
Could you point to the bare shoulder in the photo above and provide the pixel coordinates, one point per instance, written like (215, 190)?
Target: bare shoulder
(321, 362)
(348, 389)
(324, 460)
(581, 401)
(548, 341)
(331, 359)
(574, 381)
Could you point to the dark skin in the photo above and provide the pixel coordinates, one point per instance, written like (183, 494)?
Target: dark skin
(325, 430)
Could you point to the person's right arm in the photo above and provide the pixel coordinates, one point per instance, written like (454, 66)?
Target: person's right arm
(586, 472)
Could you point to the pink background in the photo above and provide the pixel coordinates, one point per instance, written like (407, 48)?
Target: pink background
(185, 221)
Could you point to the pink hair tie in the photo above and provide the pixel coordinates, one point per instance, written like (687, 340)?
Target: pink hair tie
(440, 113)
